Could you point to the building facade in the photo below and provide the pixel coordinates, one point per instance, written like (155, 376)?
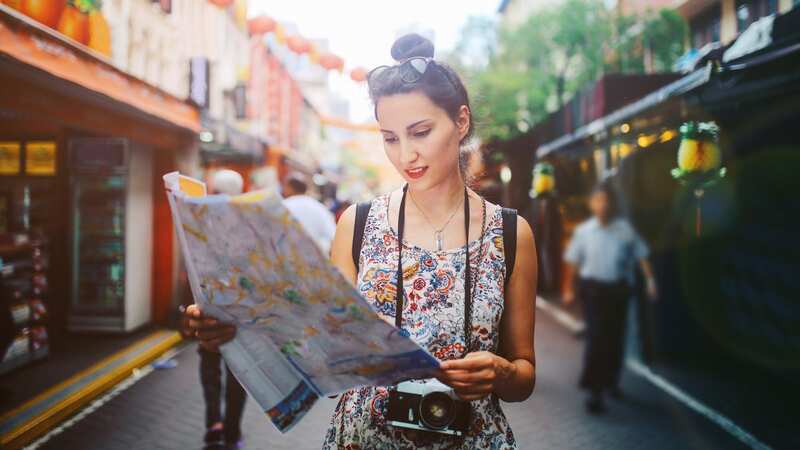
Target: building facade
(86, 142)
(722, 21)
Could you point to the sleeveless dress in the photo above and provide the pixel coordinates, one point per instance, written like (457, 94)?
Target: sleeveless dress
(433, 314)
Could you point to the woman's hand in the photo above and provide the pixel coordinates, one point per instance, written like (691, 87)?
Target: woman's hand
(209, 331)
(477, 375)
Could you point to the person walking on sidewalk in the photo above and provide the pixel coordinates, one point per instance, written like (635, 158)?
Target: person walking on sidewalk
(454, 272)
(221, 433)
(317, 220)
(604, 251)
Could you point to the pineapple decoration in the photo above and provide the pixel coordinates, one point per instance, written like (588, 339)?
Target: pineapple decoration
(544, 180)
(699, 161)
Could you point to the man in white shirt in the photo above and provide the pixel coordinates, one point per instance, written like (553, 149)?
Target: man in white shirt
(315, 218)
(603, 252)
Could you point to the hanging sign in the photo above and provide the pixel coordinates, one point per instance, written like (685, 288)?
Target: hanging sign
(40, 158)
(199, 83)
(9, 158)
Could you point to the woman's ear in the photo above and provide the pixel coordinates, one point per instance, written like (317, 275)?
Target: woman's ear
(463, 121)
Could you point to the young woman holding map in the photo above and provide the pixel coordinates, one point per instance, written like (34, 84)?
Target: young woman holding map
(467, 274)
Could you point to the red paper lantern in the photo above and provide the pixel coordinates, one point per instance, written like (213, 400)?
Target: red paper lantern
(261, 25)
(298, 45)
(330, 61)
(358, 74)
(222, 3)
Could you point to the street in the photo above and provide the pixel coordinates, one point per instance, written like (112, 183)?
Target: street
(164, 410)
(159, 153)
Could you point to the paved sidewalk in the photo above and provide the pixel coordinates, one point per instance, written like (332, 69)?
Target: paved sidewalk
(164, 410)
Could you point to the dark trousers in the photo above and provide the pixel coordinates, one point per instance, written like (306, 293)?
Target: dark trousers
(605, 309)
(211, 379)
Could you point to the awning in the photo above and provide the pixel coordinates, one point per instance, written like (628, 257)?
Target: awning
(301, 162)
(230, 144)
(674, 89)
(25, 41)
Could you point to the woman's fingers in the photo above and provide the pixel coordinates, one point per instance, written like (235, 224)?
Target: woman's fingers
(472, 388)
(470, 398)
(472, 362)
(226, 333)
(466, 376)
(193, 311)
(205, 324)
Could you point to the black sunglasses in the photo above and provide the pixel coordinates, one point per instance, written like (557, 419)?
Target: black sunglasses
(411, 70)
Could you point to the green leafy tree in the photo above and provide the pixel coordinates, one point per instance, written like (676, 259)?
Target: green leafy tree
(517, 76)
(663, 36)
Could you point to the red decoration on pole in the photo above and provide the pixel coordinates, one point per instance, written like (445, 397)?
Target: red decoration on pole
(261, 25)
(358, 74)
(298, 45)
(222, 3)
(330, 61)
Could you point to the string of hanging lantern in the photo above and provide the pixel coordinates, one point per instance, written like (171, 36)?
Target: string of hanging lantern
(264, 25)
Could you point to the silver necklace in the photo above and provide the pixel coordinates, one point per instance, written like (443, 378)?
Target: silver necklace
(438, 234)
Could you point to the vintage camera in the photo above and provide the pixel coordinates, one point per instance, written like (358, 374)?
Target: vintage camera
(428, 406)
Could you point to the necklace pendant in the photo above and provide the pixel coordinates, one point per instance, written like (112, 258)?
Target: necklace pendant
(439, 240)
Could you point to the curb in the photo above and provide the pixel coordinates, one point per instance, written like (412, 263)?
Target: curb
(576, 327)
(565, 319)
(43, 412)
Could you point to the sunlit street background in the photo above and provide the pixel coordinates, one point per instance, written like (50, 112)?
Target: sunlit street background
(688, 108)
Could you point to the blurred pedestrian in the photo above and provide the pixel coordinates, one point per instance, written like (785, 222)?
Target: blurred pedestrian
(221, 432)
(604, 251)
(340, 207)
(315, 218)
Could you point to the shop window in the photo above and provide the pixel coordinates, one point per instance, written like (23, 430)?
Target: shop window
(748, 11)
(705, 27)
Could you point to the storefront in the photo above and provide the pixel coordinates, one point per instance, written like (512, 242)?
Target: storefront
(225, 147)
(82, 147)
(725, 254)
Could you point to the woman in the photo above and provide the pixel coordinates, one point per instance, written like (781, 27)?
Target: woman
(423, 112)
(604, 250)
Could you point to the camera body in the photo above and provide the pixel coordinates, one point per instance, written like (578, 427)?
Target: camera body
(428, 406)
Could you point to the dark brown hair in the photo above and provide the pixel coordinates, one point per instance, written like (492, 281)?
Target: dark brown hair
(440, 83)
(604, 187)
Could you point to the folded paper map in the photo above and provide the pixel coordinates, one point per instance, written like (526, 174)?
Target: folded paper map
(303, 330)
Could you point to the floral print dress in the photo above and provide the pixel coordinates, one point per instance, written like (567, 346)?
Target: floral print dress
(433, 314)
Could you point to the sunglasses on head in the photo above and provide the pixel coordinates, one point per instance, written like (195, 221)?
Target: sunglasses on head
(410, 70)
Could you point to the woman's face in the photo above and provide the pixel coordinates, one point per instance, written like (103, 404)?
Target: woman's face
(420, 139)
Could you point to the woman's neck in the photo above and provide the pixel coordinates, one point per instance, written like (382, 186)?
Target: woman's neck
(439, 200)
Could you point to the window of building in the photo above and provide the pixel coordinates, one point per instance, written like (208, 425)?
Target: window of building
(706, 26)
(748, 11)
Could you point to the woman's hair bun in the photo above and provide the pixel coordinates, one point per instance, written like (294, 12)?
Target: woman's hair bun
(411, 45)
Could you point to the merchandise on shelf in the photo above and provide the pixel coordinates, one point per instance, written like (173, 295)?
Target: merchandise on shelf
(23, 290)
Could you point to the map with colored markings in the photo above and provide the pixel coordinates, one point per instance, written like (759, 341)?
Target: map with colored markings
(302, 329)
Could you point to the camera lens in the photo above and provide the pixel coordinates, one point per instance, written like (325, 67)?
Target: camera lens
(436, 410)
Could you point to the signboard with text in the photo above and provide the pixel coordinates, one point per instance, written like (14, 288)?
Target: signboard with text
(40, 158)
(9, 158)
(199, 84)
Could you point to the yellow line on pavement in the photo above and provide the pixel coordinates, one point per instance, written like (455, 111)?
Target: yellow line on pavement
(38, 425)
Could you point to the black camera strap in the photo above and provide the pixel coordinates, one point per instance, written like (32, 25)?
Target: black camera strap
(398, 312)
